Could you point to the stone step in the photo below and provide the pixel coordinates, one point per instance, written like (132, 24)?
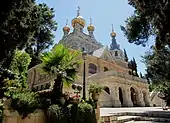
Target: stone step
(123, 119)
(145, 114)
(143, 122)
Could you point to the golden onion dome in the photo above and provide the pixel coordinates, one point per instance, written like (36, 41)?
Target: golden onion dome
(79, 20)
(90, 28)
(113, 34)
(66, 28)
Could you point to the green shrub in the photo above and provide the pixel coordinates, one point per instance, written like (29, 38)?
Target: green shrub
(95, 88)
(1, 111)
(25, 102)
(55, 114)
(19, 66)
(83, 113)
(86, 113)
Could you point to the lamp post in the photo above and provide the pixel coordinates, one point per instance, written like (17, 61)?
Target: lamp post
(84, 53)
(77, 89)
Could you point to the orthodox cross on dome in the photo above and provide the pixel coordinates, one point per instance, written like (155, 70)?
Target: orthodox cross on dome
(66, 22)
(90, 21)
(114, 44)
(78, 11)
(112, 28)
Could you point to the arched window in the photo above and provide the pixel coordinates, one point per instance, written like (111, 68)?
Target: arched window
(41, 87)
(92, 68)
(107, 89)
(105, 69)
(116, 53)
(47, 86)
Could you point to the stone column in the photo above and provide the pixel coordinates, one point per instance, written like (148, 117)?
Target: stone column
(115, 97)
(127, 98)
(147, 102)
(140, 99)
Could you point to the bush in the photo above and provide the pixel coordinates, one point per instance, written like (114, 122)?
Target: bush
(95, 88)
(86, 113)
(83, 113)
(1, 111)
(55, 114)
(25, 102)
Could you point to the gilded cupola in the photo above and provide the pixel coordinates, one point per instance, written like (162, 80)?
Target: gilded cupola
(113, 34)
(79, 19)
(90, 27)
(66, 28)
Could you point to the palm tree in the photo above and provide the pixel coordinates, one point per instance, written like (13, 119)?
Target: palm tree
(60, 62)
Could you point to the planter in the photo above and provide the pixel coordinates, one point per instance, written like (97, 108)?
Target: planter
(95, 96)
(75, 101)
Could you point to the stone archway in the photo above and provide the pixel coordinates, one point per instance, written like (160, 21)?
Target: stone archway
(134, 95)
(121, 96)
(107, 89)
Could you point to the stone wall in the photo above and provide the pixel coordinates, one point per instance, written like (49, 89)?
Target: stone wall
(14, 117)
(156, 101)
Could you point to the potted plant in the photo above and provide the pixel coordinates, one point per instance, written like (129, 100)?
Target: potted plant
(75, 99)
(95, 90)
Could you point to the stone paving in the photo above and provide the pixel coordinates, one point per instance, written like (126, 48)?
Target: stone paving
(142, 122)
(110, 111)
(135, 115)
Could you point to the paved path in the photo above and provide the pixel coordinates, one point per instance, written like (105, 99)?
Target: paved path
(109, 111)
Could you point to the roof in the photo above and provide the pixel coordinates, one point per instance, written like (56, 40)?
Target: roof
(99, 52)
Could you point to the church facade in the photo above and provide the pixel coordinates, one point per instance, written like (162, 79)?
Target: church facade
(104, 65)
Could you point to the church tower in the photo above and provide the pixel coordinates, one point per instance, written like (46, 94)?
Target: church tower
(66, 29)
(78, 22)
(115, 48)
(90, 29)
(77, 39)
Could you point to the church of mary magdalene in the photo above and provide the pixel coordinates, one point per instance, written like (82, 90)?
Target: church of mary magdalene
(104, 65)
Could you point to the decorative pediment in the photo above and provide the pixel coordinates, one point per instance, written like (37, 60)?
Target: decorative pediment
(103, 53)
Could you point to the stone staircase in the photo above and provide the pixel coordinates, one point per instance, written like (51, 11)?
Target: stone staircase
(131, 117)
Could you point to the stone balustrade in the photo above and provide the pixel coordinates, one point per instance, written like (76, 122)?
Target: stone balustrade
(117, 74)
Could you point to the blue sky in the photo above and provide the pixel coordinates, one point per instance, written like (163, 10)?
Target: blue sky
(104, 13)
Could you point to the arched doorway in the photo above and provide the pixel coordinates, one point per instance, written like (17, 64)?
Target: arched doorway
(133, 96)
(120, 96)
(107, 89)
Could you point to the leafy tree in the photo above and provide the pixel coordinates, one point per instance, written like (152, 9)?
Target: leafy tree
(141, 76)
(19, 66)
(16, 27)
(126, 57)
(24, 24)
(158, 70)
(133, 66)
(5, 75)
(43, 37)
(151, 17)
(61, 63)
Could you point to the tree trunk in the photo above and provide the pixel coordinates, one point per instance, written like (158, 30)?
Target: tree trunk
(57, 90)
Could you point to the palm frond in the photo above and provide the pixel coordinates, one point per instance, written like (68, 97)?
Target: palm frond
(61, 60)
